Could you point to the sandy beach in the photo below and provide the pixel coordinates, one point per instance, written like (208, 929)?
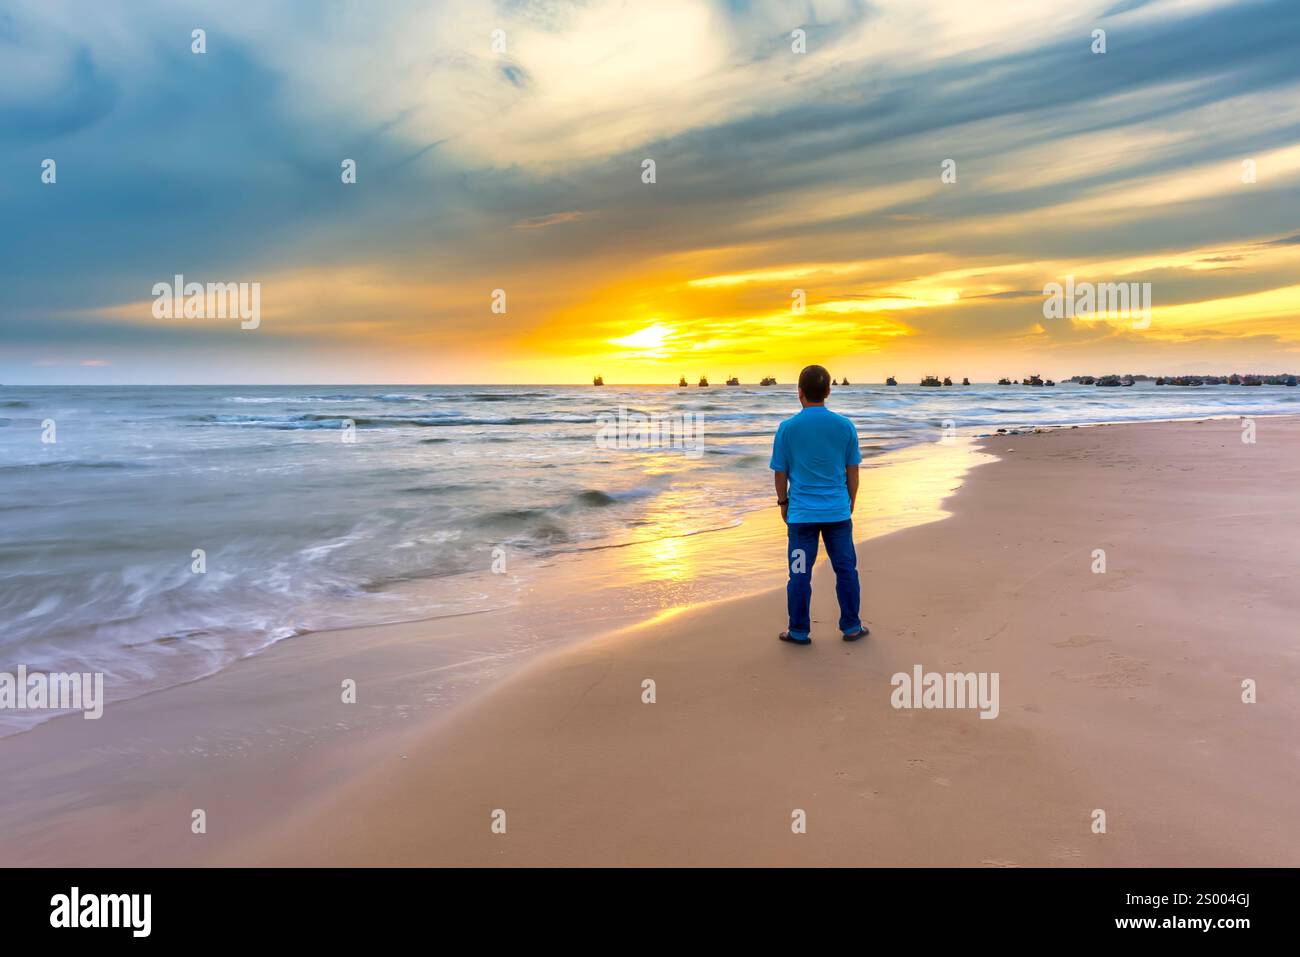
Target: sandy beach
(1119, 690)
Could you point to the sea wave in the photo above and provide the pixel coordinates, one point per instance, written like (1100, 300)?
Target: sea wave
(68, 465)
(299, 535)
(432, 419)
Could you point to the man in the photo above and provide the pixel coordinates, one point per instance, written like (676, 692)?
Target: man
(815, 457)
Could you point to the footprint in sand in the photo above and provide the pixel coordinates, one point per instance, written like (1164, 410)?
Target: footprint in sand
(1079, 641)
(1064, 854)
(1111, 581)
(1122, 672)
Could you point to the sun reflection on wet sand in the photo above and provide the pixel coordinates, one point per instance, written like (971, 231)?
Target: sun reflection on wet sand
(910, 486)
(672, 567)
(666, 569)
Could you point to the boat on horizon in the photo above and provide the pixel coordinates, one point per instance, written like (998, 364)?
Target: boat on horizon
(733, 381)
(947, 381)
(682, 383)
(704, 382)
(931, 382)
(768, 380)
(599, 380)
(965, 381)
(891, 381)
(1004, 381)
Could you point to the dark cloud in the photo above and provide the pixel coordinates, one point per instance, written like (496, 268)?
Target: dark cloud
(1284, 241)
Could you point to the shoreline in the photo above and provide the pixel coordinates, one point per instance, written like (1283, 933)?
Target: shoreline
(741, 532)
(266, 778)
(391, 565)
(691, 579)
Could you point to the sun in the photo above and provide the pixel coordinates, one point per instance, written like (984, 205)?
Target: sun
(651, 340)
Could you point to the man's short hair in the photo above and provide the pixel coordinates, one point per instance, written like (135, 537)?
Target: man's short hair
(815, 382)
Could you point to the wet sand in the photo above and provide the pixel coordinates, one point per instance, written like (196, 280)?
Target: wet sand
(258, 742)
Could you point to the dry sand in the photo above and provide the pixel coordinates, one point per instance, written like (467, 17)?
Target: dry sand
(1119, 691)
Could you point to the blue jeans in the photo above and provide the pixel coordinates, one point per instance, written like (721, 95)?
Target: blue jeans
(801, 554)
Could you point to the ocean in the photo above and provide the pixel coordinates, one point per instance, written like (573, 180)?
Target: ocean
(166, 532)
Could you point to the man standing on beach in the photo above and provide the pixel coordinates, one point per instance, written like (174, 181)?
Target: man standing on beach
(815, 457)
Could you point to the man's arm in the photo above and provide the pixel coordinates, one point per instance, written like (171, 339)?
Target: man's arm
(852, 456)
(783, 493)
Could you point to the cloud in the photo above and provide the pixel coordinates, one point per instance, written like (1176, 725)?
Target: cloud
(1284, 241)
(775, 169)
(550, 219)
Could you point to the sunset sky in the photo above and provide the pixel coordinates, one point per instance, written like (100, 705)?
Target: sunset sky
(522, 171)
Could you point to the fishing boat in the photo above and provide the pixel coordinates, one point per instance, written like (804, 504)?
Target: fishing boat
(835, 381)
(965, 381)
(1049, 382)
(768, 380)
(931, 382)
(599, 380)
(891, 381)
(1034, 380)
(1004, 382)
(733, 381)
(947, 381)
(844, 381)
(681, 383)
(704, 382)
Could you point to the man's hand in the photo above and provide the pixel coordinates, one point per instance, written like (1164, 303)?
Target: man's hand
(782, 494)
(851, 480)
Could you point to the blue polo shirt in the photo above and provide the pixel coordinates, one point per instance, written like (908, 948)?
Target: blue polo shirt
(813, 448)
